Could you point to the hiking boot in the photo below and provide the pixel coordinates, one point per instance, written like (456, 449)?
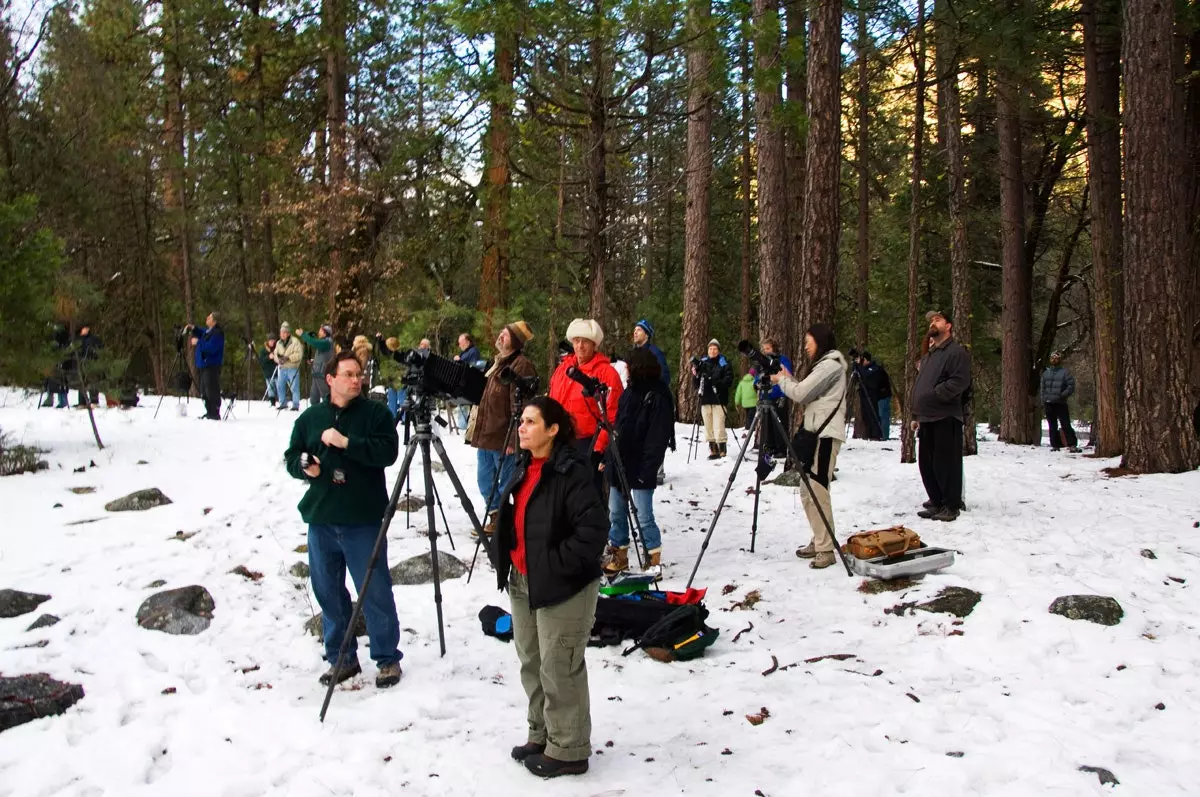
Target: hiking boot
(388, 675)
(928, 513)
(655, 559)
(544, 766)
(272, 402)
(822, 560)
(712, 451)
(929, 505)
(1075, 450)
(348, 671)
(946, 514)
(616, 560)
(721, 451)
(523, 751)
(807, 552)
(489, 525)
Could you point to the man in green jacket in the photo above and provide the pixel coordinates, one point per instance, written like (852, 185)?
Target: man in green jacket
(322, 346)
(340, 448)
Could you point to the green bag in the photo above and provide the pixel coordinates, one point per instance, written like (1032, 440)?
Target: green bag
(681, 635)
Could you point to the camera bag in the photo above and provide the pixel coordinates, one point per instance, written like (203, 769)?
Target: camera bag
(891, 542)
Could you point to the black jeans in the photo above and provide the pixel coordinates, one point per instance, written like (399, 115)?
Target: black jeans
(1058, 415)
(210, 390)
(939, 457)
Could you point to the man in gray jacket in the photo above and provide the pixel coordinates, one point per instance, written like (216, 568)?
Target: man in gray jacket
(1057, 386)
(943, 379)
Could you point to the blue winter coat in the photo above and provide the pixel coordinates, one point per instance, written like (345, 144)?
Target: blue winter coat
(1057, 385)
(776, 390)
(210, 346)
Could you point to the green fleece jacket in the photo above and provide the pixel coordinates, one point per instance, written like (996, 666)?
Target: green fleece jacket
(362, 496)
(746, 396)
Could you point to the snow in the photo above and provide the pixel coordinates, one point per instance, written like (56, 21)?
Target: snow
(1025, 696)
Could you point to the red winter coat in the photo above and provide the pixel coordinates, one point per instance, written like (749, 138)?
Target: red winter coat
(585, 412)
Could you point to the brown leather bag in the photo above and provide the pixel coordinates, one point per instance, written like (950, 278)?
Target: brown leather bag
(882, 542)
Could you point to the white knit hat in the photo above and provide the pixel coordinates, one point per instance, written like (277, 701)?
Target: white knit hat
(585, 328)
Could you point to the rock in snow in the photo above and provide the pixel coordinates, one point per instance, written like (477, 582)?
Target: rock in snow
(419, 569)
(958, 601)
(186, 610)
(1093, 608)
(28, 697)
(45, 621)
(14, 603)
(139, 501)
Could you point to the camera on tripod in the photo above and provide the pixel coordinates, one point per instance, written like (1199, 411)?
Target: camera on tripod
(431, 375)
(768, 364)
(591, 386)
(181, 336)
(529, 385)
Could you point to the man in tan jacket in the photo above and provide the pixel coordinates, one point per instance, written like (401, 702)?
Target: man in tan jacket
(289, 353)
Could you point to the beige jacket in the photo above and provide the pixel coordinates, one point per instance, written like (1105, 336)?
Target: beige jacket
(289, 353)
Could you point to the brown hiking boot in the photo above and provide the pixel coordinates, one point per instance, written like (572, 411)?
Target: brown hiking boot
(807, 552)
(721, 450)
(655, 559)
(616, 560)
(347, 672)
(822, 560)
(489, 525)
(388, 675)
(712, 451)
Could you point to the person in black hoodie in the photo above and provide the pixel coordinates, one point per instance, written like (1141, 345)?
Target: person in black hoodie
(549, 537)
(645, 420)
(713, 377)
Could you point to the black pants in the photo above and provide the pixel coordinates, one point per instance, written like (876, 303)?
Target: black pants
(210, 391)
(1059, 414)
(583, 449)
(750, 416)
(868, 415)
(939, 457)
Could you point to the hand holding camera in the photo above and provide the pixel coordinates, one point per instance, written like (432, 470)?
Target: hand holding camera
(310, 465)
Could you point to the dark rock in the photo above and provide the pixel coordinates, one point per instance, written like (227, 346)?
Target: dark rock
(186, 610)
(14, 603)
(45, 621)
(958, 601)
(28, 697)
(874, 586)
(1106, 776)
(156, 583)
(246, 573)
(956, 754)
(139, 501)
(301, 549)
(313, 626)
(83, 490)
(1093, 608)
(789, 479)
(419, 569)
(1149, 554)
(410, 503)
(300, 570)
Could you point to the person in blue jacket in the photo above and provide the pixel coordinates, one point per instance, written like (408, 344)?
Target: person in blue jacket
(771, 441)
(209, 345)
(643, 335)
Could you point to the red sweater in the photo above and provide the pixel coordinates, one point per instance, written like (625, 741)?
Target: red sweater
(532, 474)
(584, 411)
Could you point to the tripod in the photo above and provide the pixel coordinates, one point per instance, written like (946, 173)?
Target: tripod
(864, 399)
(622, 477)
(422, 409)
(175, 364)
(436, 497)
(766, 408)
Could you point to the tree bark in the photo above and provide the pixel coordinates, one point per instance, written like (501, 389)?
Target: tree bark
(795, 55)
(862, 297)
(493, 280)
(746, 317)
(696, 262)
(773, 282)
(336, 86)
(822, 203)
(949, 101)
(1157, 412)
(907, 437)
(266, 238)
(596, 160)
(175, 166)
(1017, 283)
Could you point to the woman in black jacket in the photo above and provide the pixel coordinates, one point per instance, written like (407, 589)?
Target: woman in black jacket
(645, 419)
(549, 538)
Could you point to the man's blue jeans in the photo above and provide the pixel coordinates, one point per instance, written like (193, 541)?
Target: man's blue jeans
(333, 549)
(395, 400)
(885, 417)
(289, 378)
(618, 531)
(485, 474)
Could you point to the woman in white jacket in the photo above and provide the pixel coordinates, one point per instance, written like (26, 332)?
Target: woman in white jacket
(822, 394)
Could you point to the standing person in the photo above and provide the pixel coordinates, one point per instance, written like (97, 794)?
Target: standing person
(822, 394)
(289, 353)
(468, 354)
(713, 378)
(867, 402)
(879, 384)
(349, 441)
(776, 444)
(547, 554)
(1058, 385)
(362, 352)
(943, 379)
(209, 355)
(266, 362)
(493, 453)
(645, 420)
(746, 396)
(58, 383)
(87, 348)
(322, 346)
(591, 441)
(643, 335)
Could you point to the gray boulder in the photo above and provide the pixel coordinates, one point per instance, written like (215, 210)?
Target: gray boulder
(410, 503)
(1093, 608)
(300, 570)
(314, 627)
(28, 697)
(14, 603)
(958, 601)
(139, 501)
(790, 478)
(186, 610)
(45, 621)
(419, 569)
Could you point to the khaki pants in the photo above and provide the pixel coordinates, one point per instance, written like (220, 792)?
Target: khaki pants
(550, 645)
(822, 541)
(714, 422)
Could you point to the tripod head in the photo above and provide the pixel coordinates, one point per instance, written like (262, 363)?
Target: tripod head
(420, 407)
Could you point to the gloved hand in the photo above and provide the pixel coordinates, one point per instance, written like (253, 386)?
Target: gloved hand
(597, 458)
(766, 464)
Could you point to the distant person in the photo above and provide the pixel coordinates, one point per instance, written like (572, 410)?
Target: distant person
(713, 377)
(289, 353)
(266, 363)
(209, 355)
(57, 382)
(468, 354)
(879, 384)
(943, 380)
(425, 345)
(643, 337)
(322, 346)
(86, 349)
(746, 396)
(1058, 385)
(777, 444)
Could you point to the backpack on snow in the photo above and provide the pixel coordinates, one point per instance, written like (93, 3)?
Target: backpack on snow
(681, 635)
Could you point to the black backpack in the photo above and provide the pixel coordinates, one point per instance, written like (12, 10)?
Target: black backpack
(624, 617)
(681, 635)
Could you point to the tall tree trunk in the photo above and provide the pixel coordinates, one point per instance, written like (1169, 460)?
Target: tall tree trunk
(262, 189)
(773, 280)
(336, 86)
(699, 179)
(949, 102)
(746, 318)
(1017, 282)
(1157, 285)
(862, 302)
(596, 161)
(175, 166)
(907, 441)
(822, 203)
(795, 59)
(1102, 75)
(493, 280)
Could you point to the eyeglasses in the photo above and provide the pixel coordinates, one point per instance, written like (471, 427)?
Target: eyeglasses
(355, 375)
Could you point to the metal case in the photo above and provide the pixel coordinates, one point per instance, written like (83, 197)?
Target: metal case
(917, 562)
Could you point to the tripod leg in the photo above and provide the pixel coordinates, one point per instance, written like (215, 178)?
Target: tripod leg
(437, 497)
(721, 504)
(508, 436)
(388, 514)
(433, 534)
(754, 523)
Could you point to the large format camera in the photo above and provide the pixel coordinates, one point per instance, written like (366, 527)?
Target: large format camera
(432, 375)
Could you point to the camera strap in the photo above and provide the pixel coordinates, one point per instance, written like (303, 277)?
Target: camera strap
(821, 428)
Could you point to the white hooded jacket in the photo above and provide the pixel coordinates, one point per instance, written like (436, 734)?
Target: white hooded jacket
(822, 393)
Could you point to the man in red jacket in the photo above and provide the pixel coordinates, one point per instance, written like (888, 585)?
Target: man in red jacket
(591, 441)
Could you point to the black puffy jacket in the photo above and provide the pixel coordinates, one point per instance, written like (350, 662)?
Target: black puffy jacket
(714, 377)
(566, 527)
(645, 422)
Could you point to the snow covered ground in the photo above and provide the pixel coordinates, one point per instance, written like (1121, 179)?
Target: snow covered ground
(1020, 697)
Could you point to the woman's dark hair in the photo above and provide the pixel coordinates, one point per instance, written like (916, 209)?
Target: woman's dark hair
(822, 335)
(643, 365)
(552, 413)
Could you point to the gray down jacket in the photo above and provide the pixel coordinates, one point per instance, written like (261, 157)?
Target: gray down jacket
(1057, 385)
(822, 393)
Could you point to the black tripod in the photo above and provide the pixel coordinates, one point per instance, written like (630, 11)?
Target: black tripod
(864, 400)
(175, 366)
(421, 408)
(436, 497)
(766, 408)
